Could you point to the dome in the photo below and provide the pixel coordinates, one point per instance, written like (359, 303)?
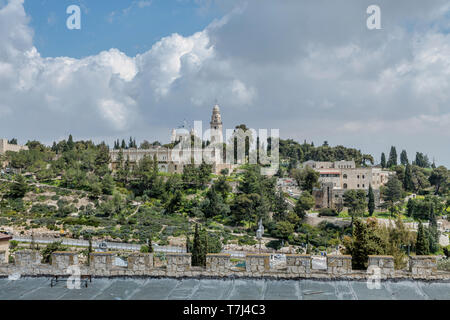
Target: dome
(216, 108)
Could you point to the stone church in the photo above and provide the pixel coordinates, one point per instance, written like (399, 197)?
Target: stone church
(172, 160)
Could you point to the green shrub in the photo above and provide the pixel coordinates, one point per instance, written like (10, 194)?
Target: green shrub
(274, 244)
(327, 212)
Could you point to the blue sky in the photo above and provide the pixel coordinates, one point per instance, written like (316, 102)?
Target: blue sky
(131, 26)
(309, 68)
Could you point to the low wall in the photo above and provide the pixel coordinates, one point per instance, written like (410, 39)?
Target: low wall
(382, 265)
(299, 264)
(422, 266)
(219, 263)
(339, 264)
(28, 263)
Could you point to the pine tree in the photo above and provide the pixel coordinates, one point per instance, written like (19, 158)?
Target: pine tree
(392, 161)
(383, 160)
(124, 145)
(422, 246)
(371, 201)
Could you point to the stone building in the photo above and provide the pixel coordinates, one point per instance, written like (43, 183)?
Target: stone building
(173, 160)
(4, 247)
(339, 176)
(5, 146)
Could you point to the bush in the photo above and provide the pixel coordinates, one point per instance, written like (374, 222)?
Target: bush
(327, 212)
(444, 264)
(52, 247)
(274, 244)
(247, 240)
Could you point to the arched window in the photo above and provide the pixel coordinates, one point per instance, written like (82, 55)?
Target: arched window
(345, 186)
(345, 176)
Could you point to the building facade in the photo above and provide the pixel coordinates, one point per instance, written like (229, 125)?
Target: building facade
(173, 160)
(5, 146)
(339, 176)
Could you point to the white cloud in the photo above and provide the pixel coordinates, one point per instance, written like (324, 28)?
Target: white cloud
(316, 74)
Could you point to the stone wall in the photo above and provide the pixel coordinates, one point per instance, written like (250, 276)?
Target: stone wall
(422, 266)
(101, 261)
(140, 262)
(299, 264)
(27, 258)
(28, 263)
(339, 264)
(218, 263)
(64, 259)
(257, 263)
(384, 263)
(178, 262)
(3, 257)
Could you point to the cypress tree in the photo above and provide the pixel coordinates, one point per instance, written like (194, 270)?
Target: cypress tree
(404, 158)
(422, 246)
(198, 249)
(70, 143)
(383, 160)
(408, 184)
(392, 161)
(433, 233)
(371, 201)
(359, 250)
(410, 207)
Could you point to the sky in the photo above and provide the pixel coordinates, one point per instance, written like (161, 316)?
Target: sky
(309, 68)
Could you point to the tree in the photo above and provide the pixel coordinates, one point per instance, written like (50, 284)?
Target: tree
(408, 184)
(410, 207)
(422, 160)
(404, 158)
(222, 186)
(422, 245)
(18, 188)
(284, 229)
(440, 179)
(304, 203)
(306, 178)
(199, 247)
(393, 192)
(214, 205)
(383, 160)
(371, 201)
(70, 143)
(392, 161)
(49, 249)
(364, 242)
(355, 201)
(280, 205)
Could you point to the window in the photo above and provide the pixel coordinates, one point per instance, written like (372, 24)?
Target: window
(345, 176)
(357, 176)
(363, 177)
(345, 186)
(363, 186)
(357, 186)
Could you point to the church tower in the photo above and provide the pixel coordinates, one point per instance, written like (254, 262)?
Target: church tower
(216, 126)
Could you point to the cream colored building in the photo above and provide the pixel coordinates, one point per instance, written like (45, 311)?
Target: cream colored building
(345, 174)
(174, 160)
(339, 176)
(5, 146)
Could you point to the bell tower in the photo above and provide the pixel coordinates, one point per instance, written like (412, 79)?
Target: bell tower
(216, 126)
